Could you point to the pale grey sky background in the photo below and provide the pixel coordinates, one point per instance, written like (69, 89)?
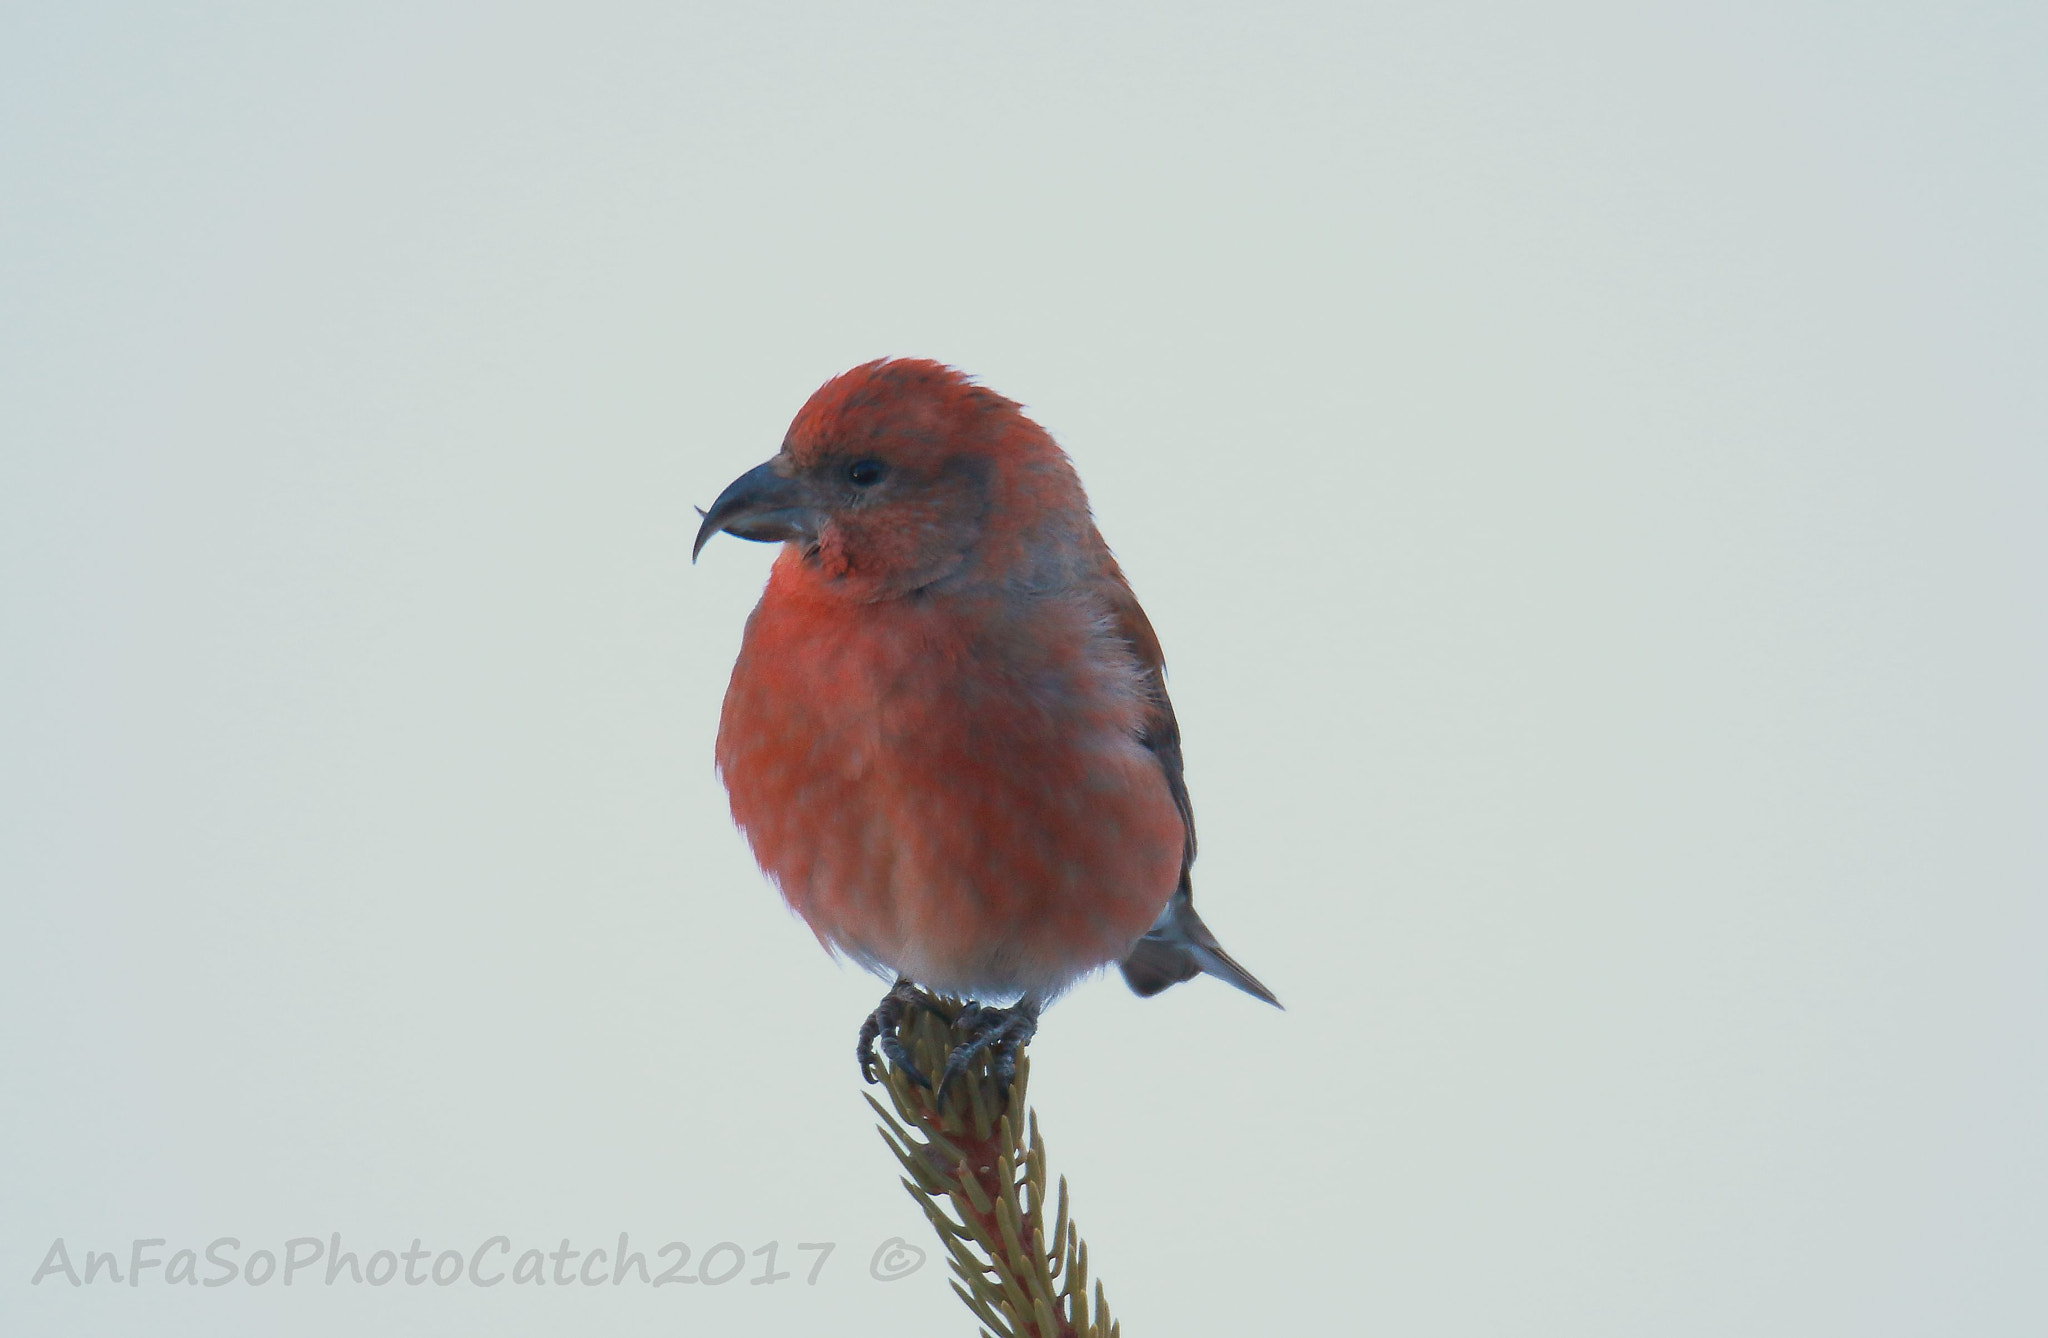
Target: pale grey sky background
(1586, 463)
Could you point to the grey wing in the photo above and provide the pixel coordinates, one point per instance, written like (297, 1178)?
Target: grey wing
(1179, 946)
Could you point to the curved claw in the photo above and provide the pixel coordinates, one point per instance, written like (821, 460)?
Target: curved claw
(880, 1028)
(1000, 1032)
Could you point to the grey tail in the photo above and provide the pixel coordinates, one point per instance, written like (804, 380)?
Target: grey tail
(1180, 947)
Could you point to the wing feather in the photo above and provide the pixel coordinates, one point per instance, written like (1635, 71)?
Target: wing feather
(1179, 946)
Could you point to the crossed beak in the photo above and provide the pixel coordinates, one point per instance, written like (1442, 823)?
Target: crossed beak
(761, 505)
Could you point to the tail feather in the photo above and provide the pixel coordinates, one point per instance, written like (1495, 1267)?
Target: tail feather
(1180, 947)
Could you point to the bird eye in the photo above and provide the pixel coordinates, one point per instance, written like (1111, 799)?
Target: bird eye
(866, 473)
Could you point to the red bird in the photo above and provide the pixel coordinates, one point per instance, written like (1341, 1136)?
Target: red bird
(947, 736)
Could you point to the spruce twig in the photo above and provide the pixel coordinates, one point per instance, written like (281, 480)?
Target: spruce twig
(977, 1169)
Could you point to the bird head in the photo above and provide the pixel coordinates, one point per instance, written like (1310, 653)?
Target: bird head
(903, 475)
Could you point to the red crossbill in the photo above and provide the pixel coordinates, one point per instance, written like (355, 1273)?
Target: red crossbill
(947, 736)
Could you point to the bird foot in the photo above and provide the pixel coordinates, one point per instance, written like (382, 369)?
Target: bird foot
(880, 1029)
(1001, 1032)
